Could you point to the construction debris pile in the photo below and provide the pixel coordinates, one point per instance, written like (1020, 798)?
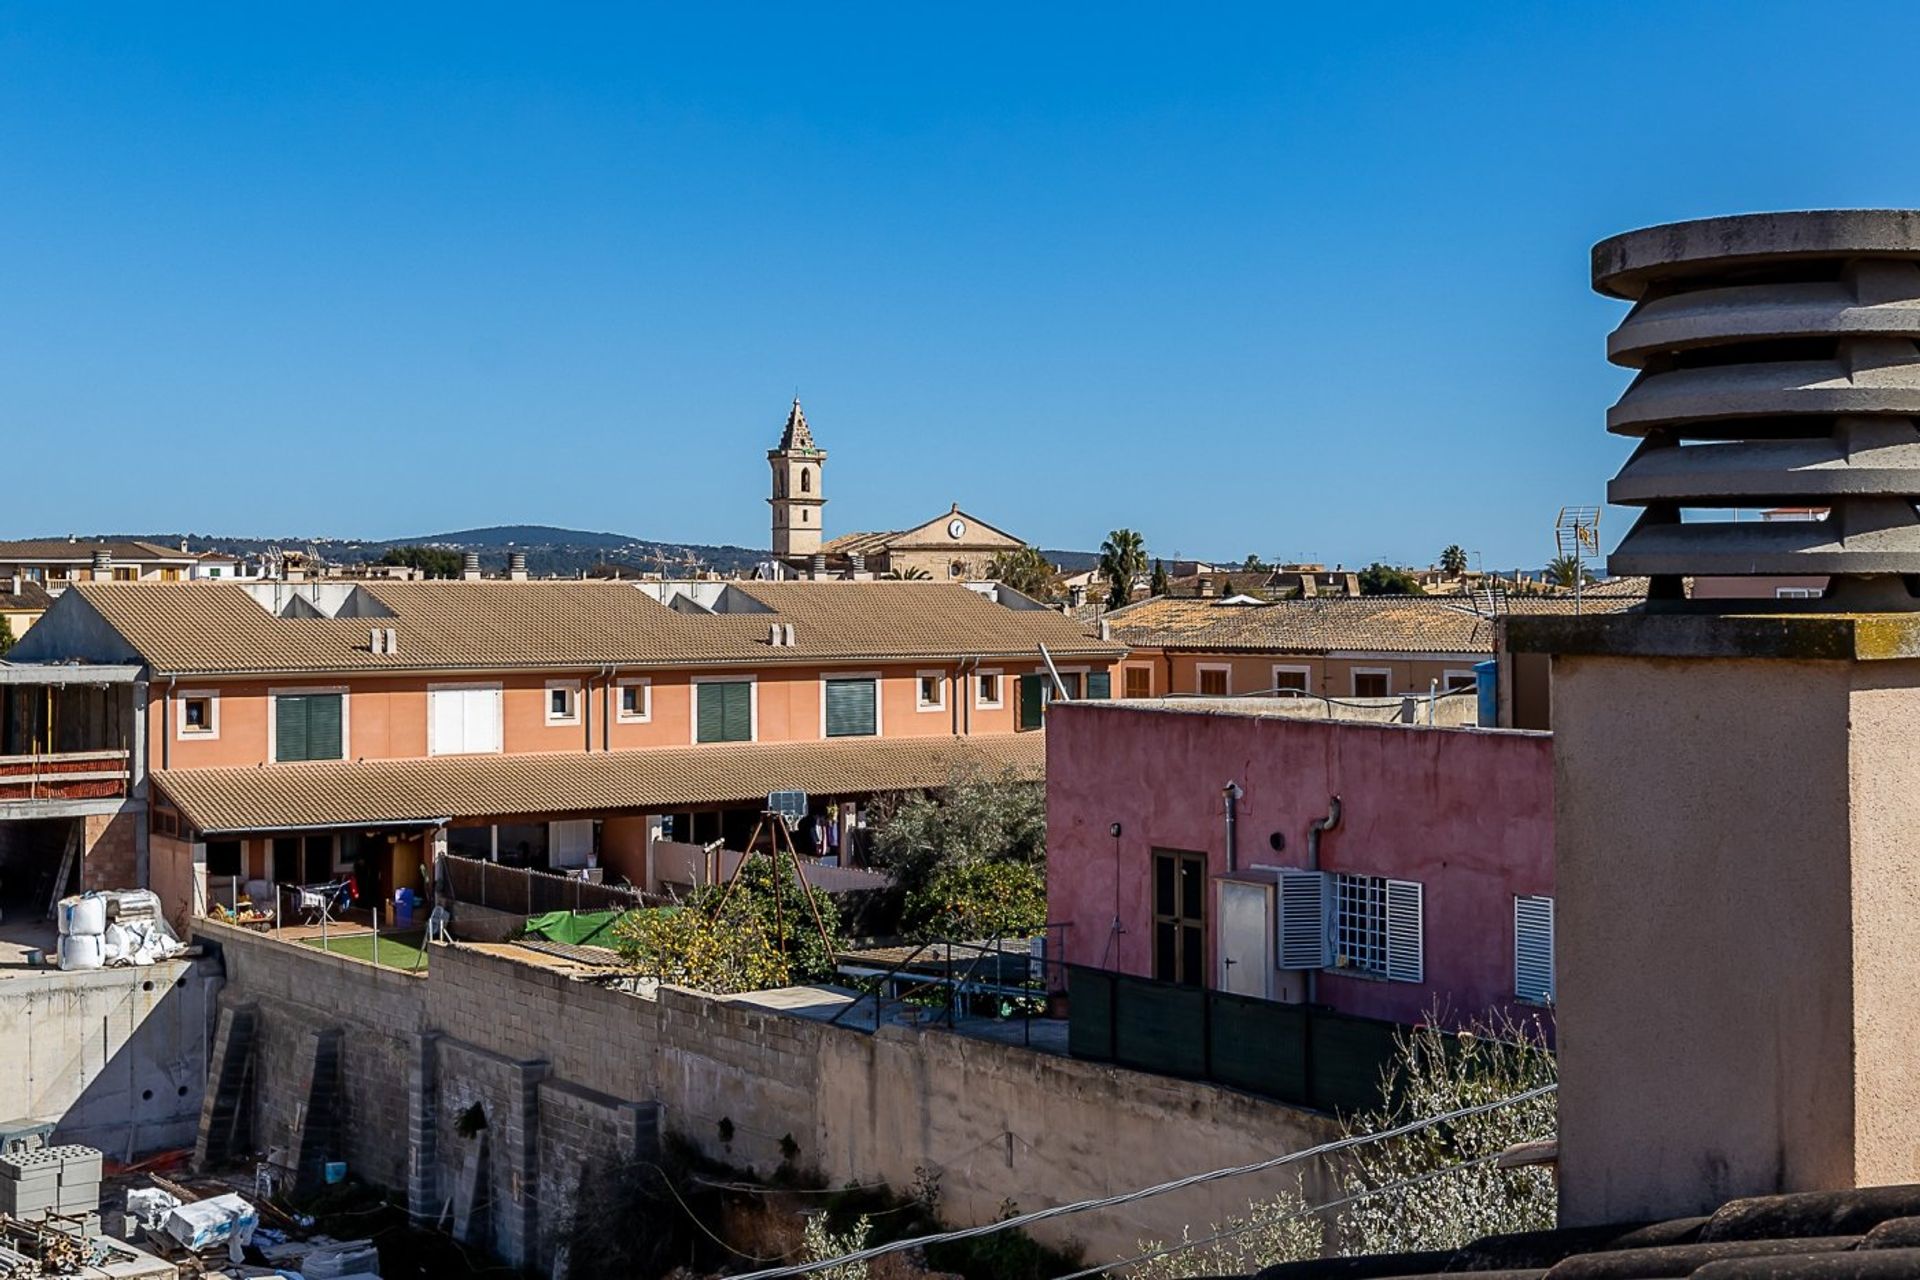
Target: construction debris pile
(50, 1217)
(115, 927)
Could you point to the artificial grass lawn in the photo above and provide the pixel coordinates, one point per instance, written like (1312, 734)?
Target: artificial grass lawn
(397, 950)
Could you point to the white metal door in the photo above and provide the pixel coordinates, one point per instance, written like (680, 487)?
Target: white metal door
(1246, 938)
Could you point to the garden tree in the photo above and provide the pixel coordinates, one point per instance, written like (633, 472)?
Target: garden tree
(1564, 571)
(1379, 579)
(977, 817)
(6, 635)
(1253, 563)
(728, 939)
(1026, 571)
(1433, 1073)
(1161, 584)
(1123, 557)
(979, 900)
(435, 562)
(1454, 559)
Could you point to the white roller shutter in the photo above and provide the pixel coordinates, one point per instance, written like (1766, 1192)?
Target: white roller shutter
(570, 844)
(1306, 940)
(463, 721)
(1533, 949)
(1406, 932)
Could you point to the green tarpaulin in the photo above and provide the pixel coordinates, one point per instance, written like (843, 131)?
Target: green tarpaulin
(593, 928)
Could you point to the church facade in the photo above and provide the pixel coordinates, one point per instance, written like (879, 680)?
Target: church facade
(954, 546)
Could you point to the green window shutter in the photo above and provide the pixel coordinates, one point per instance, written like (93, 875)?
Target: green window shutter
(325, 739)
(740, 712)
(712, 714)
(725, 712)
(1032, 701)
(1099, 685)
(290, 729)
(851, 709)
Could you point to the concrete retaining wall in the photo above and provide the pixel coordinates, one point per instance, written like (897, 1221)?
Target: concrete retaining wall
(997, 1122)
(117, 1057)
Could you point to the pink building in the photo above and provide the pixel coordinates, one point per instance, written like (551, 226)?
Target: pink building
(1430, 887)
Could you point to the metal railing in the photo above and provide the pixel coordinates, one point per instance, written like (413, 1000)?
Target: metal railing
(933, 969)
(524, 891)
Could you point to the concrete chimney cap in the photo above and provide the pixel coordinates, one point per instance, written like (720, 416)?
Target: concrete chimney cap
(1624, 265)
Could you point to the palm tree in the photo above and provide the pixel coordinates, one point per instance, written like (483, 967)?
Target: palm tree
(1123, 557)
(1026, 571)
(911, 572)
(1566, 571)
(1454, 560)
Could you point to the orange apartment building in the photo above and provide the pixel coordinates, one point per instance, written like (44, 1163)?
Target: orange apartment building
(292, 732)
(1358, 647)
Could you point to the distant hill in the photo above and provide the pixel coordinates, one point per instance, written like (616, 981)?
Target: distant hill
(550, 551)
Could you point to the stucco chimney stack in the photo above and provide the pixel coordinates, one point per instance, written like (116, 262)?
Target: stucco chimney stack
(102, 564)
(517, 566)
(470, 566)
(819, 565)
(1737, 833)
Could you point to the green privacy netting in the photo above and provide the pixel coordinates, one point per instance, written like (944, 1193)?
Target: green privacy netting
(593, 928)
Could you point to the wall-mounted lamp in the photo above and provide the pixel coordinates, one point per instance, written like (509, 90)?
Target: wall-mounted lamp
(1114, 831)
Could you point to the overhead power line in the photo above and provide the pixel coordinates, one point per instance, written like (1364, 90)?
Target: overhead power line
(1161, 1188)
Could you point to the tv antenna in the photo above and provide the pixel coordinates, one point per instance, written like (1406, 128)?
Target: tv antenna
(1576, 535)
(786, 809)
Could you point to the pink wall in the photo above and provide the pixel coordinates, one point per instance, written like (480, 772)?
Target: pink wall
(1467, 812)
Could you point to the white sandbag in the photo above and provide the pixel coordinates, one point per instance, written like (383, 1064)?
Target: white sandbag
(150, 1205)
(206, 1223)
(118, 942)
(85, 915)
(82, 951)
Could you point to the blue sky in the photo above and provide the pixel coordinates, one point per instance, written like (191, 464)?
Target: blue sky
(1301, 281)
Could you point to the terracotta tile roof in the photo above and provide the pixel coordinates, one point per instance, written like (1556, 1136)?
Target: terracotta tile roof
(858, 543)
(1369, 624)
(29, 597)
(31, 550)
(1865, 1234)
(215, 627)
(271, 797)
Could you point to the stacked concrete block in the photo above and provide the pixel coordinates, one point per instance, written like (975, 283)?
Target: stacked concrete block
(50, 1180)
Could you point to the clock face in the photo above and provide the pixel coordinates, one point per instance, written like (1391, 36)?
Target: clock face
(956, 528)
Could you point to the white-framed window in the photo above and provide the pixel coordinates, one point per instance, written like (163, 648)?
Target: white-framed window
(634, 700)
(1373, 682)
(1454, 679)
(198, 714)
(930, 691)
(1533, 949)
(563, 702)
(1291, 679)
(987, 692)
(306, 723)
(850, 705)
(464, 719)
(1379, 927)
(1213, 679)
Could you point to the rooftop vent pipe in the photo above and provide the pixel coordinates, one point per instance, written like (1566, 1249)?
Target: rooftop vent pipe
(819, 566)
(102, 564)
(470, 566)
(857, 561)
(517, 566)
(1779, 366)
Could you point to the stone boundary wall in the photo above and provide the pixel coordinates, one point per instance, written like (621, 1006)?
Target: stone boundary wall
(997, 1122)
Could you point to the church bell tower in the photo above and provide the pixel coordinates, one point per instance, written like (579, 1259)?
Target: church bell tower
(797, 500)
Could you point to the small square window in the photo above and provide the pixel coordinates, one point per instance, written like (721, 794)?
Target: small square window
(988, 688)
(1371, 684)
(932, 690)
(635, 701)
(563, 703)
(199, 715)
